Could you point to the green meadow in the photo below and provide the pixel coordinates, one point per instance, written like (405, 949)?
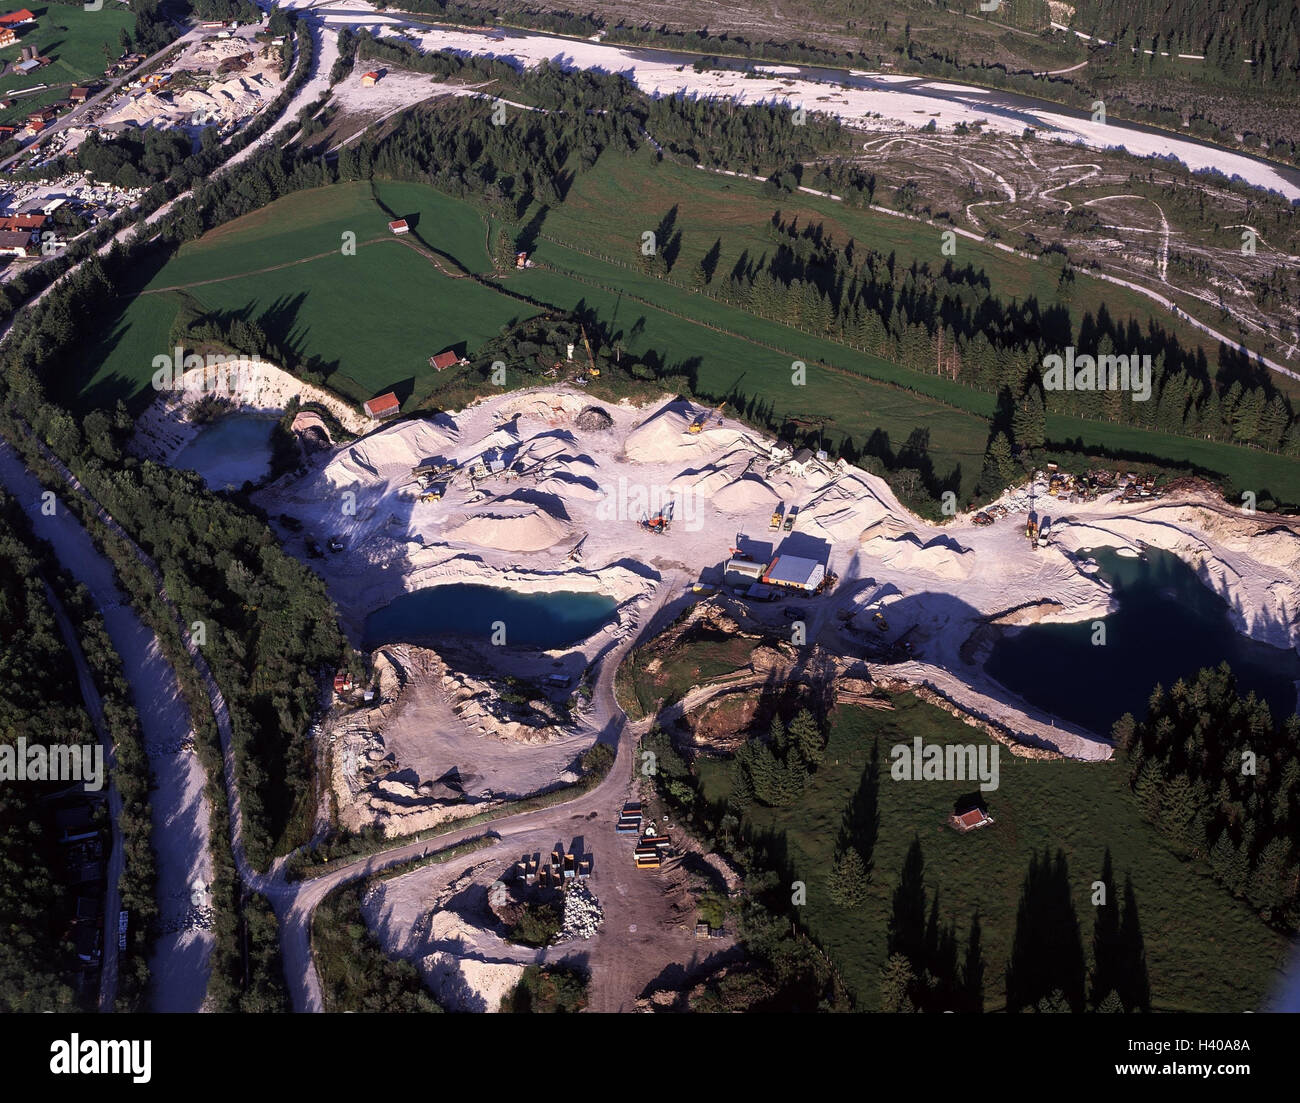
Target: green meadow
(1205, 951)
(367, 320)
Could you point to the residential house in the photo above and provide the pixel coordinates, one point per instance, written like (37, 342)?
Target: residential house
(14, 243)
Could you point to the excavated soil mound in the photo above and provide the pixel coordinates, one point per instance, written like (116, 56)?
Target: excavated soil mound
(594, 420)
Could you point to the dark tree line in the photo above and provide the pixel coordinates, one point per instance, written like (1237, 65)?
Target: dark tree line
(1221, 781)
(951, 322)
(40, 700)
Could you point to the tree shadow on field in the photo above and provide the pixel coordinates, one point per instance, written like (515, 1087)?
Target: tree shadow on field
(1047, 952)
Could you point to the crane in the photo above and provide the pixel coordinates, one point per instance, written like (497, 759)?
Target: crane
(591, 360)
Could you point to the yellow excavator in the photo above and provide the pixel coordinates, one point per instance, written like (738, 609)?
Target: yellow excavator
(702, 420)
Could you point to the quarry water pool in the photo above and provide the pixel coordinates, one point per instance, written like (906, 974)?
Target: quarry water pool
(230, 451)
(545, 620)
(1168, 625)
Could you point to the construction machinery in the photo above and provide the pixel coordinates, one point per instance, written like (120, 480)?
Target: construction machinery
(776, 516)
(657, 524)
(702, 419)
(790, 518)
(881, 623)
(591, 359)
(1031, 531)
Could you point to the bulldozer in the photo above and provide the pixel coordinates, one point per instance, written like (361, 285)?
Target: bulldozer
(776, 516)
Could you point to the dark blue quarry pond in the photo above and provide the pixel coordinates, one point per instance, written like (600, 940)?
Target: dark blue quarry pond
(545, 620)
(1168, 625)
(230, 451)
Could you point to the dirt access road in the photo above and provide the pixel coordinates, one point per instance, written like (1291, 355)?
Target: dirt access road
(295, 902)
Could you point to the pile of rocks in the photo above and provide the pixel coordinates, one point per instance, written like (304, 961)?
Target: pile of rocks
(582, 915)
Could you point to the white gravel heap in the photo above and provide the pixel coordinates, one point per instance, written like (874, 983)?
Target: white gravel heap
(582, 915)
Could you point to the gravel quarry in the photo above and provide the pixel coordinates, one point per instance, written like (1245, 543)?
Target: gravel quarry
(556, 507)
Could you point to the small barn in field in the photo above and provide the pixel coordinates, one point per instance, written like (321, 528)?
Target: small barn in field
(385, 405)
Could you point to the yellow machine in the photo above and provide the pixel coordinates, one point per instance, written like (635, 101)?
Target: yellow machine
(591, 360)
(776, 516)
(702, 420)
(1031, 531)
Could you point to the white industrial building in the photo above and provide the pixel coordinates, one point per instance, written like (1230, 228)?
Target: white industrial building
(795, 573)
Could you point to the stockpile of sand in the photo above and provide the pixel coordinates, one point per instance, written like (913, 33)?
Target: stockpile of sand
(702, 483)
(897, 546)
(517, 528)
(565, 483)
(467, 984)
(389, 454)
(748, 494)
(844, 509)
(663, 435)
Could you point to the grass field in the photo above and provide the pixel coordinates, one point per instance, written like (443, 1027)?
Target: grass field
(1205, 951)
(719, 365)
(711, 207)
(73, 39)
(368, 322)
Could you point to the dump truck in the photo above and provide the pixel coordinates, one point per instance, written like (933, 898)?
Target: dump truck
(791, 517)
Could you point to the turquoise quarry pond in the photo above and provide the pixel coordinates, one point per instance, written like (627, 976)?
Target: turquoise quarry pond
(545, 620)
(1168, 625)
(230, 451)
